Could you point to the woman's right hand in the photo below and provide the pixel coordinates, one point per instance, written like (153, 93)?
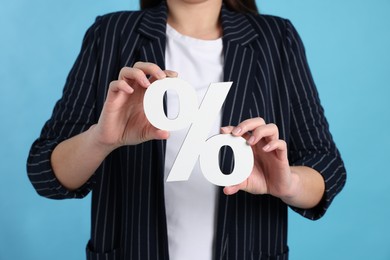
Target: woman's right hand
(122, 120)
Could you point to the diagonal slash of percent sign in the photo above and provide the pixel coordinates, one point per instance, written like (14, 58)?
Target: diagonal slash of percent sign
(196, 143)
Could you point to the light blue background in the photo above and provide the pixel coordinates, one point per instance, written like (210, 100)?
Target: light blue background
(348, 47)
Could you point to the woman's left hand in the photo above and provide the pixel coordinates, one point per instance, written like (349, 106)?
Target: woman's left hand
(271, 172)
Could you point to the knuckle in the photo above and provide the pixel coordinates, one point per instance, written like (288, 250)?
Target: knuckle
(274, 127)
(122, 83)
(148, 67)
(113, 84)
(154, 68)
(138, 74)
(242, 125)
(124, 70)
(117, 85)
(261, 120)
(138, 64)
(131, 73)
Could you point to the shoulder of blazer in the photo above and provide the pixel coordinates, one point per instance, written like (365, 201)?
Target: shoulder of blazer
(269, 27)
(125, 21)
(150, 22)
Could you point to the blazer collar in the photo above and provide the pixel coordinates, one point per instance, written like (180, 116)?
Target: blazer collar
(154, 22)
(236, 27)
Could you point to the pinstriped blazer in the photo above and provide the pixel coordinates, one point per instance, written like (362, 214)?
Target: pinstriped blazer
(265, 59)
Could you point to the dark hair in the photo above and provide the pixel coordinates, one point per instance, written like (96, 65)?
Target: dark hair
(240, 6)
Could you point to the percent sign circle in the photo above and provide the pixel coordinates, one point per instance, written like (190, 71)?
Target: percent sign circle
(200, 120)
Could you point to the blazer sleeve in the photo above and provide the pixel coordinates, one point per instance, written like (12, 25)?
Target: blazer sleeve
(310, 144)
(73, 114)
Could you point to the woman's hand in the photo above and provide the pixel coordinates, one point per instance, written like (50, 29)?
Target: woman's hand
(122, 120)
(298, 186)
(271, 172)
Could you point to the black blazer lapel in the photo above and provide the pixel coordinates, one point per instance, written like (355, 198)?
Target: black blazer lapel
(239, 65)
(153, 28)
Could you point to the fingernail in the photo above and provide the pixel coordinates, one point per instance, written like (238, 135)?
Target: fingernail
(161, 74)
(236, 130)
(266, 148)
(171, 74)
(146, 82)
(251, 140)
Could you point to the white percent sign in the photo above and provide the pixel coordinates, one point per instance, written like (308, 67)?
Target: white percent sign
(200, 119)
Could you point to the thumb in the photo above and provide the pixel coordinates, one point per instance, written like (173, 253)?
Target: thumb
(156, 134)
(161, 134)
(230, 190)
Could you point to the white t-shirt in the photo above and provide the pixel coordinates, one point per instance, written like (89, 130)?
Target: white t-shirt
(191, 205)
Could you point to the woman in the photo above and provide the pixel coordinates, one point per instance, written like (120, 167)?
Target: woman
(99, 139)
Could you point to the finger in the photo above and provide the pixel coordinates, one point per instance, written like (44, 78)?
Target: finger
(120, 85)
(270, 131)
(248, 125)
(168, 73)
(135, 74)
(279, 146)
(159, 134)
(230, 190)
(171, 73)
(152, 133)
(118, 94)
(226, 129)
(150, 69)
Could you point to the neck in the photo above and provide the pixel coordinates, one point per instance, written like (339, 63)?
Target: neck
(196, 18)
